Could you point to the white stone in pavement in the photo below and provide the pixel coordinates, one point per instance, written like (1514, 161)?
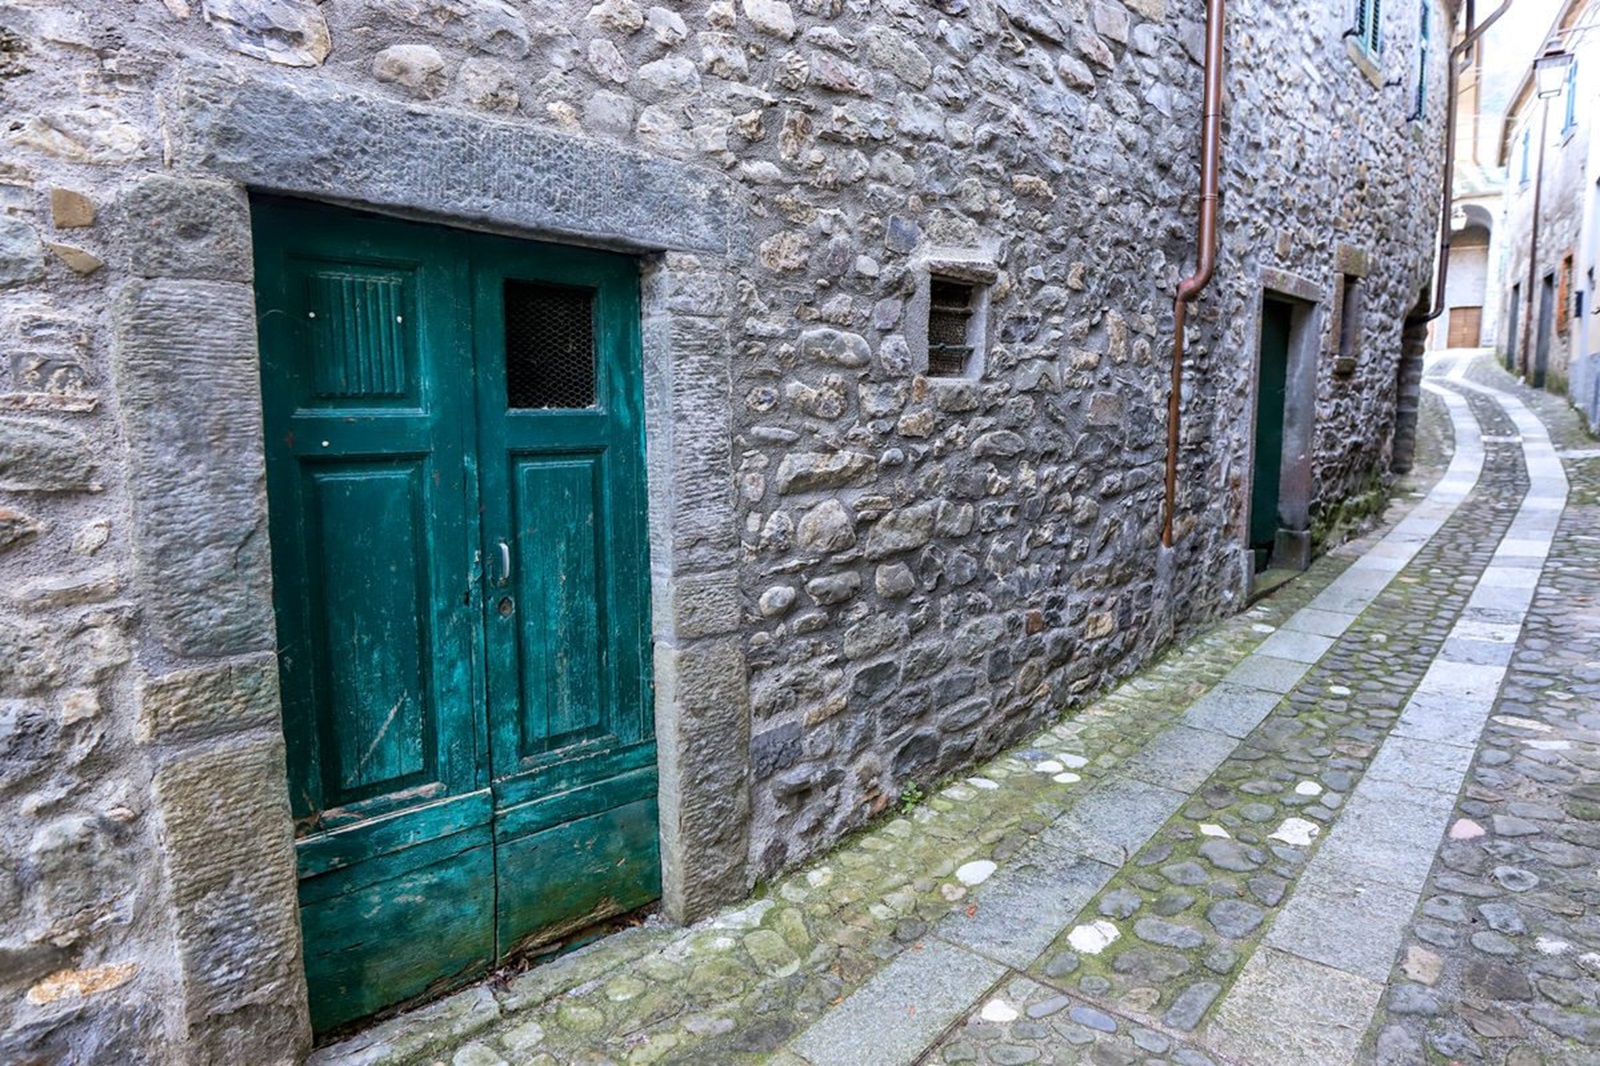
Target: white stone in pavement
(1516, 722)
(1308, 788)
(999, 1011)
(976, 873)
(1093, 938)
(1297, 831)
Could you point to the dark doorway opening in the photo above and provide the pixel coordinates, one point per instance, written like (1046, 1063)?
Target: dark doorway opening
(1272, 379)
(1541, 346)
(1512, 321)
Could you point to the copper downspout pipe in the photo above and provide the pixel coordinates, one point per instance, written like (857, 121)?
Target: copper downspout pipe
(1191, 286)
(1471, 38)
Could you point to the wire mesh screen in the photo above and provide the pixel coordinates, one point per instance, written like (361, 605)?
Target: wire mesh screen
(549, 345)
(949, 327)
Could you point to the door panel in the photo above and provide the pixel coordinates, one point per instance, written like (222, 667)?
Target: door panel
(560, 440)
(456, 489)
(365, 528)
(397, 926)
(559, 567)
(1465, 325)
(588, 869)
(366, 416)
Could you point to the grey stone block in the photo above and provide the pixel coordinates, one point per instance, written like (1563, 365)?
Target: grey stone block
(1295, 646)
(703, 729)
(21, 254)
(36, 457)
(1390, 840)
(228, 844)
(893, 1018)
(1026, 905)
(169, 227)
(1444, 718)
(229, 697)
(1267, 673)
(1479, 652)
(340, 143)
(1323, 623)
(1420, 764)
(1179, 757)
(1352, 924)
(1329, 1008)
(1231, 709)
(1114, 820)
(189, 390)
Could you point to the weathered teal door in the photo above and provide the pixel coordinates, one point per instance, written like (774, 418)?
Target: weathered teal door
(1271, 387)
(456, 486)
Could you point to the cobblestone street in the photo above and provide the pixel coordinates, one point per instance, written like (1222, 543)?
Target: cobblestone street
(1357, 823)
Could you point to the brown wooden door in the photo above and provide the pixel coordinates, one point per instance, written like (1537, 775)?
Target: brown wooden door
(1464, 326)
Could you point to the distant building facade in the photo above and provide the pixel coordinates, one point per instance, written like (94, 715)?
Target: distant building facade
(1551, 332)
(1471, 315)
(472, 467)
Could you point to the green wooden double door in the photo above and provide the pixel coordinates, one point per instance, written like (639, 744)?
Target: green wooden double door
(456, 485)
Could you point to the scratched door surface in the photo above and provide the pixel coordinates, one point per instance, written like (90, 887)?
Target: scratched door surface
(561, 464)
(461, 594)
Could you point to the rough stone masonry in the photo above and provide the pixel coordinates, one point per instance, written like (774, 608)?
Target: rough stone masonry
(866, 575)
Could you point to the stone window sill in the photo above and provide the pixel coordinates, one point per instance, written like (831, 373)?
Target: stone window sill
(1367, 64)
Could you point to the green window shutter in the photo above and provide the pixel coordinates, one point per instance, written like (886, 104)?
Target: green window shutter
(1422, 67)
(1571, 118)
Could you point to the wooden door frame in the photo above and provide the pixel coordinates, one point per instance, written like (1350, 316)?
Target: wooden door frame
(187, 374)
(1305, 298)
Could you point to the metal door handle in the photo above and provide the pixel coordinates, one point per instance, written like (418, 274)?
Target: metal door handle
(505, 565)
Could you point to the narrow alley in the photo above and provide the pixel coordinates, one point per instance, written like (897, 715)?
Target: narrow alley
(1355, 823)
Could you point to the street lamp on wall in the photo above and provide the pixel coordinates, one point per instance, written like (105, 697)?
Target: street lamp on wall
(1550, 70)
(1549, 79)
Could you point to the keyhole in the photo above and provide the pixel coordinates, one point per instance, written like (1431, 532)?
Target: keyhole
(505, 607)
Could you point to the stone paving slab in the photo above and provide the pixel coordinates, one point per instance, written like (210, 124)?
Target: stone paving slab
(1344, 921)
(890, 1019)
(1180, 758)
(1423, 764)
(1231, 709)
(1015, 915)
(1267, 673)
(1296, 646)
(1289, 1011)
(1112, 822)
(1322, 623)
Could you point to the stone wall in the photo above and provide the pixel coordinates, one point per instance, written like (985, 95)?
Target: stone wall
(915, 570)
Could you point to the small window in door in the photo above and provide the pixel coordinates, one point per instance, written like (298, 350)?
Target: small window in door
(549, 346)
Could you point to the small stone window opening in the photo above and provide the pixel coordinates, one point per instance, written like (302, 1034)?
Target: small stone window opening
(1350, 312)
(1564, 297)
(951, 305)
